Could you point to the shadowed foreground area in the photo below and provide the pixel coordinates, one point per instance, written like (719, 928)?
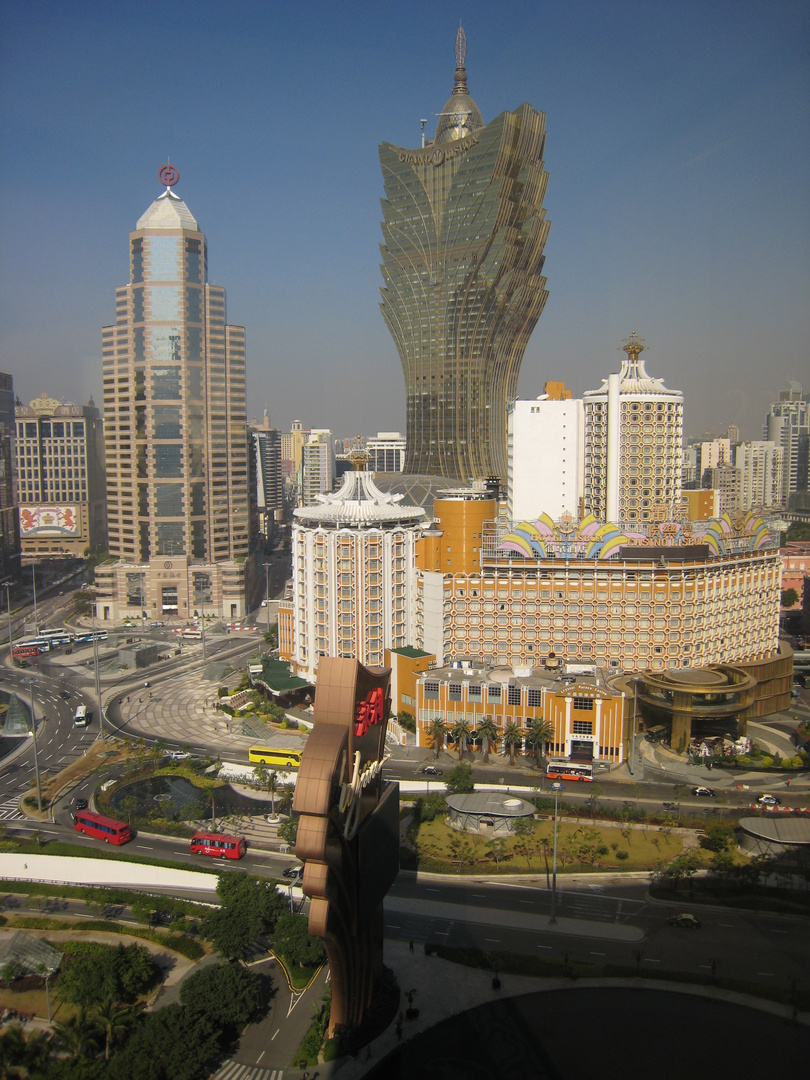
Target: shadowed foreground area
(597, 1034)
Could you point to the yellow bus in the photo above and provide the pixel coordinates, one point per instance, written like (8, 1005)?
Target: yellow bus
(275, 755)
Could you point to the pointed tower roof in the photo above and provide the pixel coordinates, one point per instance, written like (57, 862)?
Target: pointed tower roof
(168, 211)
(359, 504)
(460, 115)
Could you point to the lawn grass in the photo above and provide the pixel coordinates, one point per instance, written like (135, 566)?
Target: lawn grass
(578, 848)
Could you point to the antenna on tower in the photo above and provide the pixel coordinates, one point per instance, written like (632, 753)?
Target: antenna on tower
(422, 124)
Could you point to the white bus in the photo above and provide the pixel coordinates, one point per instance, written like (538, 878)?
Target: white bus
(80, 718)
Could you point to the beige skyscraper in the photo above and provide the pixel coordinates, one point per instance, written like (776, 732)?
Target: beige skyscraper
(175, 430)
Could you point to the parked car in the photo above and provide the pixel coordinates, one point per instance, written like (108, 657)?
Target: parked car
(294, 872)
(704, 792)
(430, 770)
(685, 921)
(769, 800)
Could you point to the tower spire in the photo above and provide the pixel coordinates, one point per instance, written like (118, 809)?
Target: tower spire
(460, 86)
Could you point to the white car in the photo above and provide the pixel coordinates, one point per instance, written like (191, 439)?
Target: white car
(769, 800)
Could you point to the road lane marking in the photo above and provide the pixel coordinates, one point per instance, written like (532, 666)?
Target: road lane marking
(431, 890)
(261, 1055)
(442, 933)
(647, 960)
(277, 1031)
(598, 954)
(767, 974)
(543, 946)
(778, 931)
(497, 941)
(525, 901)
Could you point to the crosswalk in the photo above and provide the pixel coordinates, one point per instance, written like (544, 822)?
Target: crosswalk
(10, 810)
(233, 1070)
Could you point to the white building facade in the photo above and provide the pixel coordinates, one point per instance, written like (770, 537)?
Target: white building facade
(760, 465)
(546, 456)
(633, 444)
(354, 590)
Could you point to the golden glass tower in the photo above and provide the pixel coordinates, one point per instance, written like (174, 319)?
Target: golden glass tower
(464, 230)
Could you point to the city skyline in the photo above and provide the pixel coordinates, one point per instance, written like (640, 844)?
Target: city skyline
(677, 153)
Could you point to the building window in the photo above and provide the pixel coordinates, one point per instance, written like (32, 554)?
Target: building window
(454, 692)
(534, 698)
(474, 692)
(493, 693)
(432, 691)
(582, 727)
(584, 704)
(513, 695)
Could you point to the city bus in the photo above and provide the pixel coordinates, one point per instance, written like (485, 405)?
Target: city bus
(189, 634)
(25, 652)
(59, 636)
(80, 717)
(274, 755)
(221, 847)
(40, 643)
(102, 828)
(89, 636)
(560, 769)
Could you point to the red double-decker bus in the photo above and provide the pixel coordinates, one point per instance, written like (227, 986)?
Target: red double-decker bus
(102, 828)
(25, 652)
(221, 847)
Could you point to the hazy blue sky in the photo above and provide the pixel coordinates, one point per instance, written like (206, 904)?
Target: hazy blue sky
(677, 150)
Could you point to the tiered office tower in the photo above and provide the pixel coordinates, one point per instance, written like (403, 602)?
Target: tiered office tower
(633, 444)
(464, 230)
(175, 425)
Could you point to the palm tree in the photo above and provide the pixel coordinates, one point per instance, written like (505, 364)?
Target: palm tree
(37, 1052)
(437, 729)
(539, 734)
(77, 1034)
(272, 787)
(12, 1049)
(512, 737)
(462, 730)
(112, 1019)
(487, 731)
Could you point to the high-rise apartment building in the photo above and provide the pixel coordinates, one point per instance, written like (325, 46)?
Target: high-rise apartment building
(60, 469)
(546, 457)
(633, 444)
(317, 465)
(713, 453)
(788, 424)
(760, 467)
(725, 480)
(463, 235)
(269, 480)
(9, 524)
(175, 428)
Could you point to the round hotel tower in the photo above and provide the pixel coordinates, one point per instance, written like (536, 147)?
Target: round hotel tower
(353, 577)
(464, 230)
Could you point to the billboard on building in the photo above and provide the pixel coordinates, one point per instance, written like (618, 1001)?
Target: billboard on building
(62, 520)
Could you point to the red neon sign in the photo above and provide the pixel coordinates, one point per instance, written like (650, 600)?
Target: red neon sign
(369, 711)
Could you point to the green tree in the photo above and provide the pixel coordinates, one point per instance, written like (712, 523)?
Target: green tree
(112, 1020)
(249, 907)
(512, 737)
(168, 1046)
(459, 779)
(789, 597)
(269, 780)
(437, 729)
(461, 731)
(539, 734)
(77, 1035)
(524, 843)
(487, 732)
(497, 849)
(464, 849)
(292, 939)
(717, 837)
(288, 830)
(223, 996)
(683, 868)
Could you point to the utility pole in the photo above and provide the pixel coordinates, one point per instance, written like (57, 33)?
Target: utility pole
(30, 683)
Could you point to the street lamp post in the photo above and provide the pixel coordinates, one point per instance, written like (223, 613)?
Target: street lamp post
(635, 721)
(556, 787)
(30, 683)
(8, 606)
(95, 664)
(267, 593)
(34, 585)
(202, 612)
